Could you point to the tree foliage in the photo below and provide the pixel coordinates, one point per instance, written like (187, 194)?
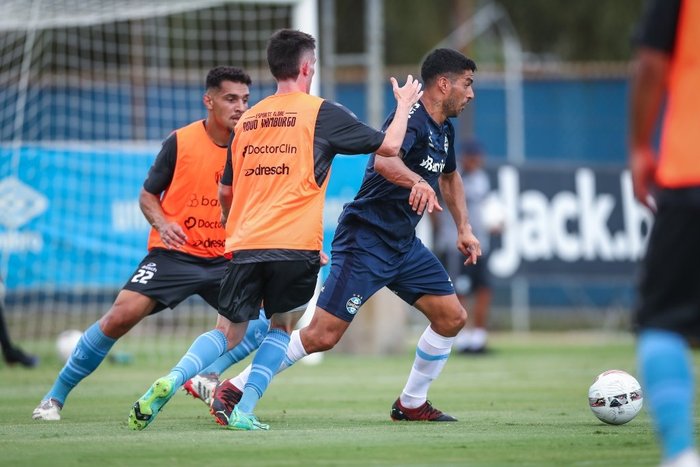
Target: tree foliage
(566, 30)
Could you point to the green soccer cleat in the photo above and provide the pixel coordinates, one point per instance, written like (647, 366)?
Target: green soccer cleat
(147, 407)
(245, 422)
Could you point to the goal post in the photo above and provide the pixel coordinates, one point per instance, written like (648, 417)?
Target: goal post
(88, 91)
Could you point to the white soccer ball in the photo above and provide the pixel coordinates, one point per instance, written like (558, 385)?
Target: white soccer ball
(615, 397)
(66, 342)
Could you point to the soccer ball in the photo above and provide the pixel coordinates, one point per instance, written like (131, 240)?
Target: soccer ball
(615, 397)
(66, 342)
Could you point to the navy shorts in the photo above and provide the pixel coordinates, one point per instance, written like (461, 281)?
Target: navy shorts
(169, 277)
(362, 263)
(467, 278)
(669, 288)
(281, 286)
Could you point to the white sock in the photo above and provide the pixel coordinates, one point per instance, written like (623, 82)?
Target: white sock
(295, 352)
(479, 336)
(431, 355)
(463, 339)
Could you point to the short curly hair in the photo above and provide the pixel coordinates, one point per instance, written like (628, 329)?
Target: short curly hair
(219, 74)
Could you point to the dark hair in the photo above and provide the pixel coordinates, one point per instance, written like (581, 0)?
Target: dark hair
(284, 51)
(442, 62)
(219, 74)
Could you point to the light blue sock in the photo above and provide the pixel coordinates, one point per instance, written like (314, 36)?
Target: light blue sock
(91, 349)
(254, 336)
(204, 351)
(667, 383)
(265, 364)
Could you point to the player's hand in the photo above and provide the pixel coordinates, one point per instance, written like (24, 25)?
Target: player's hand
(469, 246)
(409, 93)
(423, 198)
(172, 235)
(324, 258)
(643, 170)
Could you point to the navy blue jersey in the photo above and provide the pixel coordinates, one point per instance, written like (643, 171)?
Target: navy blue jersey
(428, 150)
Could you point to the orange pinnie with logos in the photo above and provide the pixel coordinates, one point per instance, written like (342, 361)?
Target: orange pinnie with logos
(191, 200)
(277, 201)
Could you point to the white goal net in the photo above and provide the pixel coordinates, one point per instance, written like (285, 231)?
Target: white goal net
(88, 90)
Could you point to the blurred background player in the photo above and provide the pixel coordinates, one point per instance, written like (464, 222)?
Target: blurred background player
(473, 280)
(282, 155)
(667, 66)
(12, 354)
(185, 245)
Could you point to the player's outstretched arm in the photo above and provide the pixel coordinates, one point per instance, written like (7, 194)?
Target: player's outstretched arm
(406, 96)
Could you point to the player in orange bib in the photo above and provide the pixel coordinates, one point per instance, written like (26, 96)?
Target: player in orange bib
(667, 315)
(186, 243)
(281, 159)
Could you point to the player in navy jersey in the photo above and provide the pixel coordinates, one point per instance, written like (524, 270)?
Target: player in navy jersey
(375, 244)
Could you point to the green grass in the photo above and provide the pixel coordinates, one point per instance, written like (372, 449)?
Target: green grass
(525, 404)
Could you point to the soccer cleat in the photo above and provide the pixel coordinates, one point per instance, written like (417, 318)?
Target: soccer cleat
(245, 422)
(224, 399)
(15, 355)
(147, 407)
(49, 409)
(687, 458)
(202, 387)
(423, 413)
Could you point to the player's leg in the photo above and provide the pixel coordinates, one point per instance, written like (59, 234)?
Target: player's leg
(424, 282)
(11, 353)
(289, 287)
(204, 351)
(668, 314)
(479, 313)
(239, 302)
(203, 385)
(128, 309)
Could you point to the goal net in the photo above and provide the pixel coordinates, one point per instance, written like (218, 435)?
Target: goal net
(88, 90)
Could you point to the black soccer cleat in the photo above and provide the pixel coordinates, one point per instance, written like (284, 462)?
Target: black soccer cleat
(225, 397)
(423, 413)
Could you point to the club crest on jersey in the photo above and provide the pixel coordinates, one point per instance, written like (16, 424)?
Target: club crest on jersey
(353, 304)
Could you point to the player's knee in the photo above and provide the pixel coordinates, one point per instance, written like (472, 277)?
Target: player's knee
(318, 341)
(127, 311)
(115, 324)
(451, 323)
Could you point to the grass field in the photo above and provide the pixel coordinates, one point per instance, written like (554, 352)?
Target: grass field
(525, 404)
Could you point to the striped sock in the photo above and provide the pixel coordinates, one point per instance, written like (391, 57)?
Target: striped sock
(204, 351)
(431, 356)
(265, 364)
(295, 352)
(91, 349)
(254, 336)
